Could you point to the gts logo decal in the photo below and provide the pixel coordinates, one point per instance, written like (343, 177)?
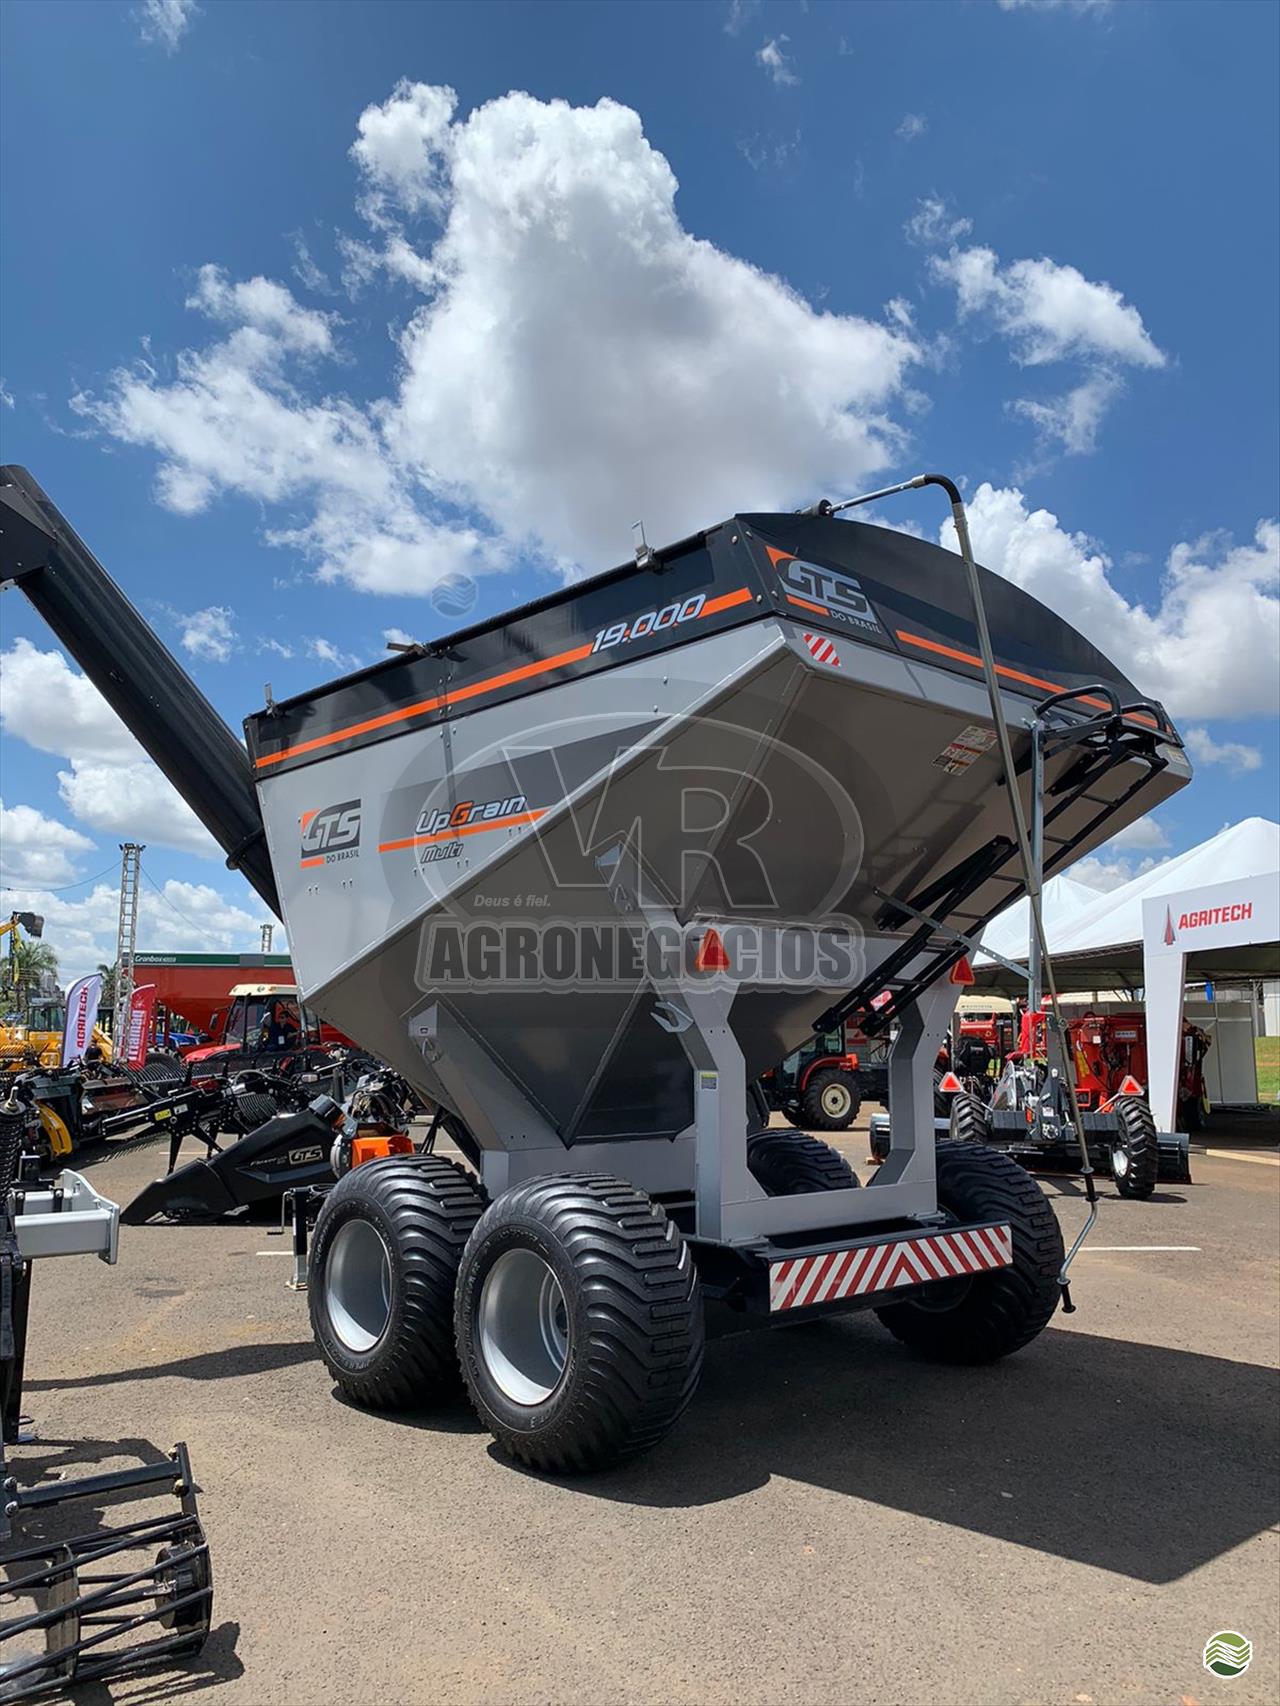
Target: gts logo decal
(305, 1157)
(330, 834)
(824, 590)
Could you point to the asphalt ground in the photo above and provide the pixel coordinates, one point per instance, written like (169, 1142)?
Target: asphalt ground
(834, 1520)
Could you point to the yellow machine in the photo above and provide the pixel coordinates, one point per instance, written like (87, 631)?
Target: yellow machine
(39, 1042)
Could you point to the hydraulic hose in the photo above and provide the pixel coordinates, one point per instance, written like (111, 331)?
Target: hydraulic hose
(1030, 867)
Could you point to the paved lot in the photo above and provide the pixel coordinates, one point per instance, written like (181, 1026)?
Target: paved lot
(834, 1521)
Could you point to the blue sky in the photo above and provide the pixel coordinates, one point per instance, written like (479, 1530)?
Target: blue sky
(305, 309)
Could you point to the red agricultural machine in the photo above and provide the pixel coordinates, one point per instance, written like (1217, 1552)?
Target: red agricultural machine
(818, 1087)
(1111, 1056)
(1028, 1113)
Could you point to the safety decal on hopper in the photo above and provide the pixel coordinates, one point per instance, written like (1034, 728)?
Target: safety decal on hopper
(822, 649)
(968, 745)
(838, 1274)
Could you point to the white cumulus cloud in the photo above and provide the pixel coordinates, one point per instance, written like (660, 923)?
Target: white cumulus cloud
(400, 148)
(1106, 873)
(580, 360)
(1234, 756)
(1046, 310)
(109, 784)
(574, 294)
(934, 223)
(166, 21)
(1073, 419)
(1209, 648)
(1143, 835)
(209, 633)
(179, 918)
(38, 849)
(777, 62)
(1081, 6)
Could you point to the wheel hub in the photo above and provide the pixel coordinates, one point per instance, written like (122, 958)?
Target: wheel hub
(524, 1327)
(835, 1101)
(357, 1286)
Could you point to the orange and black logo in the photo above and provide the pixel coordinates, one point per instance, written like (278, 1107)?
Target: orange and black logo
(330, 834)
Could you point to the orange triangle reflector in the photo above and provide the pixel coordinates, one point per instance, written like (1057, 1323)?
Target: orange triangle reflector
(711, 954)
(1129, 1086)
(949, 1084)
(962, 971)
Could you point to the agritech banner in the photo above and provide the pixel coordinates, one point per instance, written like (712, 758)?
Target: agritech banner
(82, 1010)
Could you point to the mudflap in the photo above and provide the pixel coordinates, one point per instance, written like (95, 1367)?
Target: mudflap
(1173, 1165)
(283, 1154)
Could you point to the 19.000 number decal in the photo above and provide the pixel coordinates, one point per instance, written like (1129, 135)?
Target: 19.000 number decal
(652, 622)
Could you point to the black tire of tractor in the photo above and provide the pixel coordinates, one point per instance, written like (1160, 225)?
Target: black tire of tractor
(758, 1105)
(788, 1163)
(423, 1209)
(831, 1078)
(970, 1122)
(993, 1313)
(1138, 1145)
(1191, 1115)
(632, 1321)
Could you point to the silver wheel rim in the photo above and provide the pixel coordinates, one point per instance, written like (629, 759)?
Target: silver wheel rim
(1120, 1162)
(524, 1327)
(835, 1101)
(357, 1286)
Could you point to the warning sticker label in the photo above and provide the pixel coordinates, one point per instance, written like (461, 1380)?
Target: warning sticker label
(969, 744)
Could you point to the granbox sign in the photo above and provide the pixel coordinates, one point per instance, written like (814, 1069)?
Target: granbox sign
(330, 834)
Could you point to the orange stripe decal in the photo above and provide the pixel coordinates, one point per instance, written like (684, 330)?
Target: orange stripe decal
(524, 673)
(490, 684)
(462, 829)
(308, 863)
(818, 609)
(1009, 673)
(348, 733)
(726, 601)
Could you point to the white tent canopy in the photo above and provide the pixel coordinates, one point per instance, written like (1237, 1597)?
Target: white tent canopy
(1064, 899)
(1099, 945)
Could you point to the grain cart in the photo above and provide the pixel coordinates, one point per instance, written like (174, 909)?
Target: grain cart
(581, 874)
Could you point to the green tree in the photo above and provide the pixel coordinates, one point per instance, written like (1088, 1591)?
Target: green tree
(26, 964)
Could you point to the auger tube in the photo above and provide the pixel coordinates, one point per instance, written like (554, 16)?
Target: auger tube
(136, 674)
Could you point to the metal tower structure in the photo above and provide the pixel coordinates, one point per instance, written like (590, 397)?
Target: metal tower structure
(267, 930)
(126, 942)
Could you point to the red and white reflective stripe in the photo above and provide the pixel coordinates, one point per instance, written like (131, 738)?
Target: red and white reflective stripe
(837, 1274)
(822, 649)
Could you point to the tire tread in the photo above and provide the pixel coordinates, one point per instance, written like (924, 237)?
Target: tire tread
(644, 1340)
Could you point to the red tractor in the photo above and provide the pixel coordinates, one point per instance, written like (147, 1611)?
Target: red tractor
(817, 1087)
(264, 1023)
(1111, 1052)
